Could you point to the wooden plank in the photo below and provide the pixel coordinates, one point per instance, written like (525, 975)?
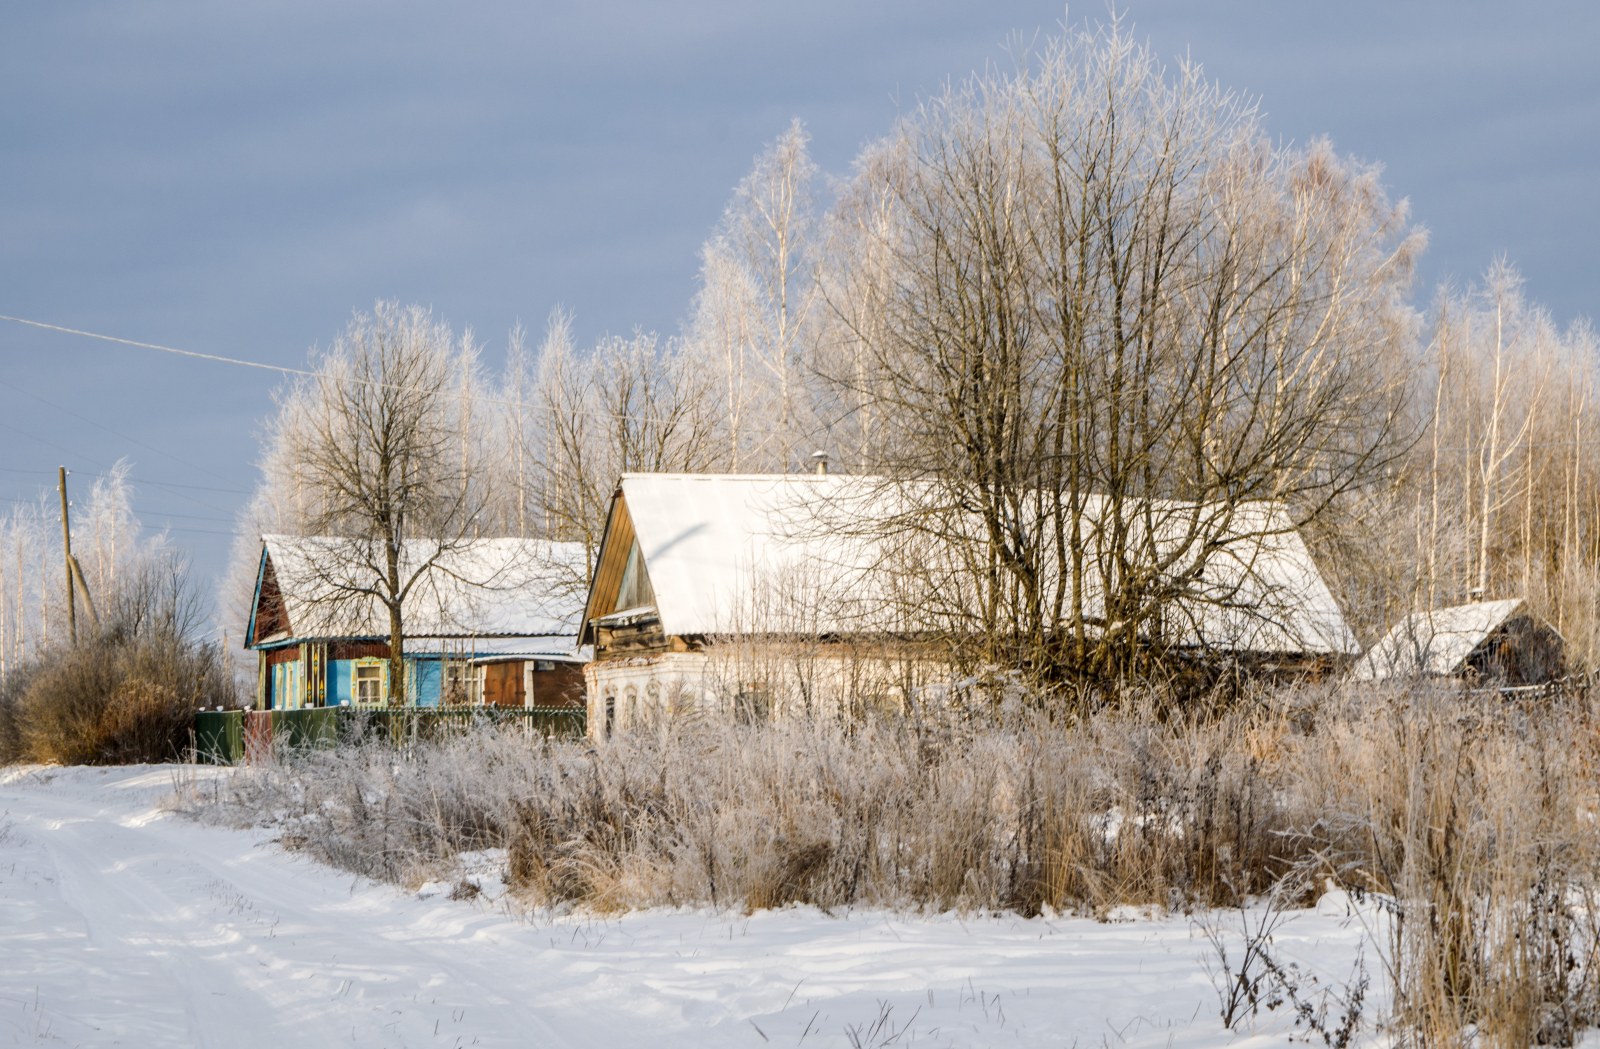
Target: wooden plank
(502, 684)
(613, 560)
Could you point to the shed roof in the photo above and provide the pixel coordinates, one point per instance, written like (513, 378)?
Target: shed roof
(1435, 642)
(818, 553)
(529, 589)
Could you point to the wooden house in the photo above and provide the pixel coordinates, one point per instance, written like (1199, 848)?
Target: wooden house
(754, 594)
(1493, 643)
(493, 622)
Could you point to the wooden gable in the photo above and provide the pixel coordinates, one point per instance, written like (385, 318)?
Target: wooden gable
(268, 618)
(621, 584)
(618, 548)
(1523, 651)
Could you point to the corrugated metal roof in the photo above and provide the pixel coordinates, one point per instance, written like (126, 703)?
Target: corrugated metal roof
(485, 588)
(821, 554)
(1435, 642)
(551, 646)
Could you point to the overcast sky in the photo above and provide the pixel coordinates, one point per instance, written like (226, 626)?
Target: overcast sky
(237, 178)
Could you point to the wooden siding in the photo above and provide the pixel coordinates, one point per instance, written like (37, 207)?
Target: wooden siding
(270, 617)
(358, 650)
(1524, 651)
(622, 640)
(287, 654)
(560, 686)
(613, 561)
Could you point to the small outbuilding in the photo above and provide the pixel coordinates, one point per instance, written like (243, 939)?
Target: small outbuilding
(1497, 643)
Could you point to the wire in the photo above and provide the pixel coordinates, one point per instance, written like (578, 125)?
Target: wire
(521, 406)
(133, 480)
(157, 346)
(52, 444)
(188, 531)
(148, 513)
(158, 484)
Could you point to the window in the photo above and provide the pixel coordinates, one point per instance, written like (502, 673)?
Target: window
(635, 591)
(366, 683)
(287, 690)
(752, 705)
(460, 684)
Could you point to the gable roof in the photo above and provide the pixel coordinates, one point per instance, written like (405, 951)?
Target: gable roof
(816, 554)
(504, 588)
(1435, 642)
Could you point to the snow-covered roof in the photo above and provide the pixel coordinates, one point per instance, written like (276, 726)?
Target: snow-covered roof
(827, 553)
(1435, 642)
(525, 589)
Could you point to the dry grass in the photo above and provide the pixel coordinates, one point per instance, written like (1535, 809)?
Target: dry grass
(1477, 820)
(1474, 820)
(1121, 808)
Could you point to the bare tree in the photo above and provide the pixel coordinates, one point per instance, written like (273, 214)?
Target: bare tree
(1107, 314)
(632, 404)
(107, 543)
(519, 435)
(374, 452)
(1504, 486)
(755, 316)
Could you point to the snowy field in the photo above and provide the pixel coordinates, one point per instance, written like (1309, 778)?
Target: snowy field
(122, 924)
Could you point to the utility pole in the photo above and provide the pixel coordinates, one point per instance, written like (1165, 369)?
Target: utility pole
(66, 546)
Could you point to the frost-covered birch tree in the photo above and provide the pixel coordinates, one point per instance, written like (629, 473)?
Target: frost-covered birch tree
(116, 557)
(756, 316)
(376, 451)
(634, 404)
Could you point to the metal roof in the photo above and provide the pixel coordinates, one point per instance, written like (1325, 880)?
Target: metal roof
(1435, 642)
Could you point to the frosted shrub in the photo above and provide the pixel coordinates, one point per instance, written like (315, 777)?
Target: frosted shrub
(1479, 820)
(1474, 822)
(1023, 815)
(117, 698)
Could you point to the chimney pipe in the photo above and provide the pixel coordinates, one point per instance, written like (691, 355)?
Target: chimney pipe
(820, 459)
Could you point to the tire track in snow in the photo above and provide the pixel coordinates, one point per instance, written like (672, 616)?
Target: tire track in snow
(182, 945)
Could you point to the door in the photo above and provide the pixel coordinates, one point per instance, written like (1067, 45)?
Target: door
(502, 684)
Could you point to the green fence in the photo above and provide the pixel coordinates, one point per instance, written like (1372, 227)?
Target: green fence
(228, 737)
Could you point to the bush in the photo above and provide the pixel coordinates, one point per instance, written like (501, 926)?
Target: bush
(111, 700)
(1479, 819)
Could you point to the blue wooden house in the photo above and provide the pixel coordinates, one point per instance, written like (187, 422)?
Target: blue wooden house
(493, 622)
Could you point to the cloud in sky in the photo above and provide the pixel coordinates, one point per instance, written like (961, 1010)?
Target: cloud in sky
(239, 178)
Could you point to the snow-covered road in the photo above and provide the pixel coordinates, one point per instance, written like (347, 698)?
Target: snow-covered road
(121, 924)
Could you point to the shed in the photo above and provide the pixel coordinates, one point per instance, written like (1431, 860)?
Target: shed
(1493, 642)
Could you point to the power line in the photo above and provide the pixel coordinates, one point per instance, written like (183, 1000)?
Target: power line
(240, 362)
(58, 447)
(133, 480)
(187, 517)
(521, 406)
(180, 484)
(157, 346)
(136, 482)
(190, 531)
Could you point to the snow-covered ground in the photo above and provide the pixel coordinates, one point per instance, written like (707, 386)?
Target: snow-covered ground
(123, 924)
